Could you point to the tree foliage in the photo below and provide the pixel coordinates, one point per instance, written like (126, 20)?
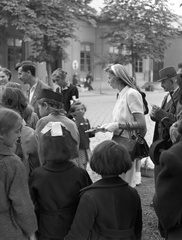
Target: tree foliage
(49, 24)
(139, 29)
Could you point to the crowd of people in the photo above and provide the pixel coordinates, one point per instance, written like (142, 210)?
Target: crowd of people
(46, 191)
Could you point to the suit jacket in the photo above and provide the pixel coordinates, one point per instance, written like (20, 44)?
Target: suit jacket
(168, 196)
(54, 188)
(108, 209)
(40, 85)
(168, 112)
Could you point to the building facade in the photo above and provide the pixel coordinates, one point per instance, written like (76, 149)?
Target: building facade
(83, 55)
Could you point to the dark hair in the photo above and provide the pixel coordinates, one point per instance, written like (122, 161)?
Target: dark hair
(29, 67)
(15, 99)
(74, 106)
(14, 85)
(8, 119)
(27, 112)
(110, 158)
(55, 105)
(56, 148)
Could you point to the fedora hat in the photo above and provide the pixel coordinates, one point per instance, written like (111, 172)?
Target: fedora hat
(156, 149)
(167, 73)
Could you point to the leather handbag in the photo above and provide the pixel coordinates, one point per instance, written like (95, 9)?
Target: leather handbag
(129, 143)
(136, 145)
(142, 149)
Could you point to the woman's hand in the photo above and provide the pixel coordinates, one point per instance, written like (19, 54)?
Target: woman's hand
(111, 127)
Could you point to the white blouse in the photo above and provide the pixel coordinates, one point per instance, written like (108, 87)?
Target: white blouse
(129, 101)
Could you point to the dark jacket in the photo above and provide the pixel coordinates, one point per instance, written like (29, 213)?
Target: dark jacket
(108, 209)
(17, 217)
(168, 111)
(55, 190)
(168, 197)
(68, 94)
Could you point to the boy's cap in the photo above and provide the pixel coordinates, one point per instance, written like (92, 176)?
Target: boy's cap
(24, 63)
(50, 94)
(167, 73)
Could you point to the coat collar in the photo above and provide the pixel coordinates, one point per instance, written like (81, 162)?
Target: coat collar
(106, 183)
(35, 95)
(58, 166)
(5, 150)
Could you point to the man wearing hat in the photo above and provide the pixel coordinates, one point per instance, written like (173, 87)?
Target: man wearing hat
(27, 75)
(68, 90)
(51, 110)
(164, 116)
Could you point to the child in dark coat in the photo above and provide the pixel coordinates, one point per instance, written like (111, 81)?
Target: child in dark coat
(55, 186)
(77, 111)
(109, 208)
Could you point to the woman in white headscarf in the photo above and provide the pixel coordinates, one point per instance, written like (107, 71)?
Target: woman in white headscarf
(128, 111)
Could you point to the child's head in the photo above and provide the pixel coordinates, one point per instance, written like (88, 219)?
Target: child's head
(49, 101)
(10, 126)
(15, 99)
(77, 106)
(14, 85)
(110, 158)
(56, 143)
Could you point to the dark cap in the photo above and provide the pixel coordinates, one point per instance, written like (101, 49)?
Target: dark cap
(20, 64)
(167, 73)
(50, 94)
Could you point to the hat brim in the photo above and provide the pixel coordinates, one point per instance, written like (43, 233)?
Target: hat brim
(162, 79)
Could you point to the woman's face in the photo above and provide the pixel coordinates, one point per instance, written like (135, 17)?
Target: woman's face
(112, 80)
(10, 137)
(3, 78)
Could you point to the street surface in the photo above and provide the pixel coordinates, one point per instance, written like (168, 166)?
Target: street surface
(99, 111)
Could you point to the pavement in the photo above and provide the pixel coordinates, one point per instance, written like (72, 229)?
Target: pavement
(100, 103)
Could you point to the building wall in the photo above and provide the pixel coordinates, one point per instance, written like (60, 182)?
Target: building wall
(86, 34)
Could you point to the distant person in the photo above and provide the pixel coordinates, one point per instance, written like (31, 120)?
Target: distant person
(77, 111)
(27, 75)
(69, 91)
(89, 81)
(55, 187)
(17, 216)
(109, 208)
(75, 79)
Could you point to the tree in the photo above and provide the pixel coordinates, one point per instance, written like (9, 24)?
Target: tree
(49, 24)
(139, 29)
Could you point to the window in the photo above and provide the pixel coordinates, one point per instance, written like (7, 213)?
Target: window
(139, 65)
(113, 50)
(86, 57)
(15, 52)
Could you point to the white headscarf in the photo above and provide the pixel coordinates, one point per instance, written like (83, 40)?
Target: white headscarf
(121, 72)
